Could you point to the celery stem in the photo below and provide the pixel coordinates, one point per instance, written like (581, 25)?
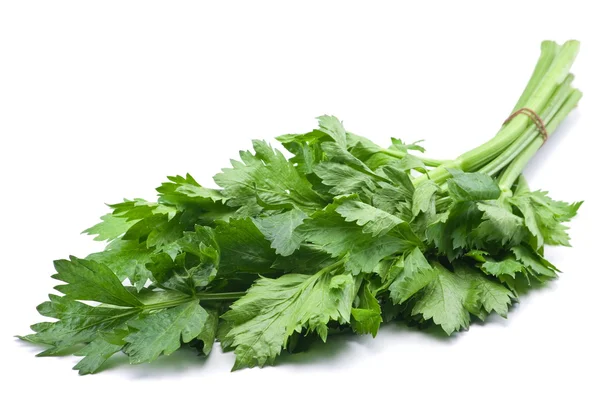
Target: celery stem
(514, 169)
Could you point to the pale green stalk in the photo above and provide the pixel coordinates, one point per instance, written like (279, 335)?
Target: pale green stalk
(482, 155)
(512, 172)
(549, 51)
(552, 108)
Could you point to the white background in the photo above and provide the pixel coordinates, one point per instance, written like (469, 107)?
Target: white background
(101, 100)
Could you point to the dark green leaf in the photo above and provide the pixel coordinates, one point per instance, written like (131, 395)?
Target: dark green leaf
(127, 259)
(89, 280)
(243, 248)
(162, 332)
(472, 186)
(373, 220)
(366, 316)
(280, 230)
(273, 309)
(99, 350)
(267, 177)
(339, 238)
(415, 274)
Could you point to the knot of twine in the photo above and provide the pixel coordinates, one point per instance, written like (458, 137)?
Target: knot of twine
(539, 123)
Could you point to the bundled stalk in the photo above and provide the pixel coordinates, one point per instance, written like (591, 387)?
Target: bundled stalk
(343, 235)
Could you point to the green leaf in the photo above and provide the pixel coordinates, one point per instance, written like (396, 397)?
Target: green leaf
(373, 220)
(451, 296)
(78, 323)
(111, 227)
(332, 127)
(342, 156)
(443, 301)
(138, 209)
(306, 149)
(423, 196)
(162, 332)
(206, 338)
(478, 255)
(195, 267)
(544, 217)
(243, 248)
(407, 163)
(485, 294)
(280, 230)
(366, 317)
(523, 204)
(343, 179)
(500, 225)
(266, 177)
(89, 280)
(203, 205)
(335, 145)
(415, 274)
(183, 274)
(184, 191)
(562, 211)
(377, 160)
(273, 309)
(339, 238)
(164, 235)
(402, 147)
(509, 266)
(536, 265)
(472, 186)
(127, 259)
(401, 181)
(361, 147)
(159, 226)
(452, 233)
(98, 351)
(393, 200)
(306, 260)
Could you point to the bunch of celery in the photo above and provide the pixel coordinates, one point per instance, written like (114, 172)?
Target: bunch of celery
(341, 236)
